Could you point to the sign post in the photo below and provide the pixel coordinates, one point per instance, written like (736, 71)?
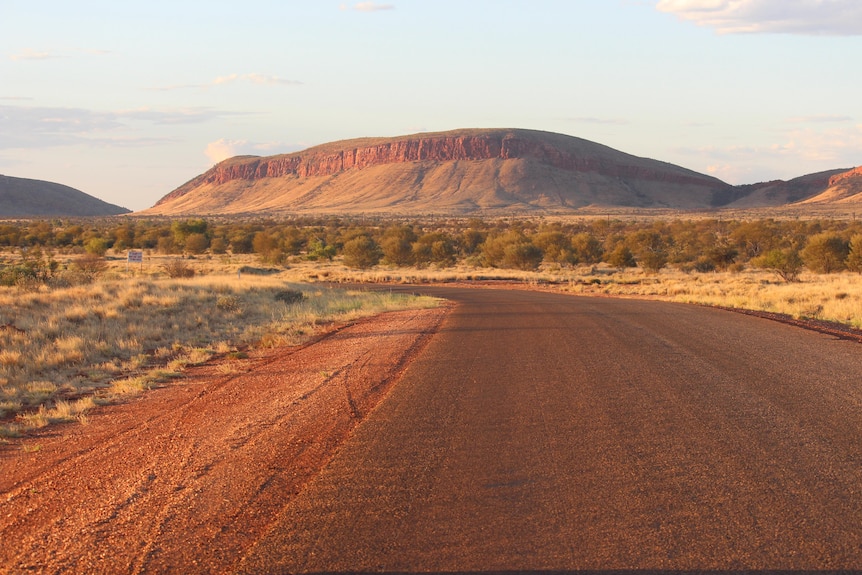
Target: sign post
(135, 257)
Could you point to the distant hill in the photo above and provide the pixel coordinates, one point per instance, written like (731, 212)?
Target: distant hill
(780, 193)
(22, 197)
(459, 172)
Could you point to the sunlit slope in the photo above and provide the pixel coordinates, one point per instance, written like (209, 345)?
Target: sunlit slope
(458, 172)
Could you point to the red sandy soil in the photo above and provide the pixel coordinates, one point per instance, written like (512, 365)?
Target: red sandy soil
(185, 478)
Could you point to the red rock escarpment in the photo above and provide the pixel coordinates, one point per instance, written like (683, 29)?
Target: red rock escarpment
(845, 177)
(331, 159)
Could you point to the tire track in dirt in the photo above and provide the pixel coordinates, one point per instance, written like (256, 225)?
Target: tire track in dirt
(551, 433)
(183, 478)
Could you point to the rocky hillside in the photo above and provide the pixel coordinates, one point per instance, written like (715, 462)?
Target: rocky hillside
(781, 193)
(842, 188)
(23, 198)
(459, 172)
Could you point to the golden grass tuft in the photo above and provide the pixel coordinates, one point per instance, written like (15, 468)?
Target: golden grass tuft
(123, 335)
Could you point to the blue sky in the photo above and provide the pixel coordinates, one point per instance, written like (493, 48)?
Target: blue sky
(128, 100)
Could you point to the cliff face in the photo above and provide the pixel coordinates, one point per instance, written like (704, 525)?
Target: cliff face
(559, 152)
(843, 188)
(852, 177)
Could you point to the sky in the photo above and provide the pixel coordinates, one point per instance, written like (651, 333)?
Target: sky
(128, 100)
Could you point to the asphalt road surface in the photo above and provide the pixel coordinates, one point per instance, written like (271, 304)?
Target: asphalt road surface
(549, 432)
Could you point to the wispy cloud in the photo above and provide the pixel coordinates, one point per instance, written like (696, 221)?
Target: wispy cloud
(824, 119)
(30, 54)
(809, 17)
(599, 121)
(808, 149)
(173, 116)
(254, 78)
(23, 127)
(368, 7)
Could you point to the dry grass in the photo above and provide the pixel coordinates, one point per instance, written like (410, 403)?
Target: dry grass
(62, 350)
(831, 297)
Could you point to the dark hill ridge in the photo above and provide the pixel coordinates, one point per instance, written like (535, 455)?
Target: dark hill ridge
(448, 172)
(23, 198)
(494, 171)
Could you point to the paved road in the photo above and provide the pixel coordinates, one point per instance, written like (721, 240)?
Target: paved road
(549, 432)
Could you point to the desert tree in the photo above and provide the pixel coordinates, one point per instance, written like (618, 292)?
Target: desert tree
(96, 246)
(786, 263)
(555, 245)
(361, 252)
(268, 247)
(522, 255)
(722, 256)
(621, 257)
(650, 249)
(494, 246)
(319, 250)
(587, 248)
(434, 247)
(854, 257)
(397, 245)
(197, 243)
(825, 253)
(218, 245)
(755, 238)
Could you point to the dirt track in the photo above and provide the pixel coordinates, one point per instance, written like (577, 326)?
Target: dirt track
(534, 432)
(186, 477)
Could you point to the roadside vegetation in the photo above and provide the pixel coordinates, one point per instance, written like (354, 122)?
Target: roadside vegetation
(67, 346)
(80, 326)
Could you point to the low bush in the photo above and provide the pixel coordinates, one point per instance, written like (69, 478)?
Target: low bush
(178, 269)
(289, 296)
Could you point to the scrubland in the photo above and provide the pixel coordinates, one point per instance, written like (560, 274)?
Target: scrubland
(835, 297)
(79, 326)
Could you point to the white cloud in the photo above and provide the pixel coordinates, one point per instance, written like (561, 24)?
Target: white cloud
(223, 148)
(811, 17)
(30, 54)
(368, 7)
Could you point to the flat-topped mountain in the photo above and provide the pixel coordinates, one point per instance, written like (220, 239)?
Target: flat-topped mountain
(502, 171)
(23, 198)
(458, 172)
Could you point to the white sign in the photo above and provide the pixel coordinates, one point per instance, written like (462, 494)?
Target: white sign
(136, 257)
